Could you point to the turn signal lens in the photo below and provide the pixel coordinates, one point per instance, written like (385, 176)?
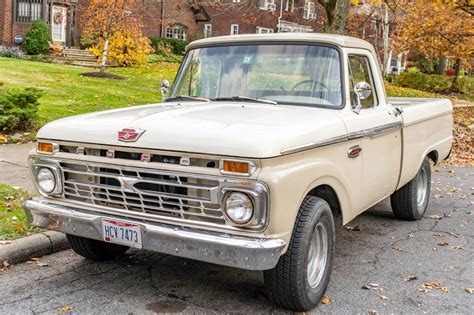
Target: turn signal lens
(236, 167)
(45, 147)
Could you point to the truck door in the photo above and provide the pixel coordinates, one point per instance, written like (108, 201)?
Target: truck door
(377, 127)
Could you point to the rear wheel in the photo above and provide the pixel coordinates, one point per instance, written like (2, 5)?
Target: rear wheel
(301, 277)
(95, 250)
(410, 201)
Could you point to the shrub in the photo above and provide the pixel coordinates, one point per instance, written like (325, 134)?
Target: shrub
(18, 109)
(37, 38)
(11, 52)
(177, 46)
(413, 80)
(465, 85)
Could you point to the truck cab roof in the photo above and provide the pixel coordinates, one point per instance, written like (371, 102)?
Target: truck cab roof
(337, 40)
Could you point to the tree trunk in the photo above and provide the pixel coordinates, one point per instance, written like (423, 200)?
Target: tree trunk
(104, 55)
(336, 15)
(457, 67)
(441, 65)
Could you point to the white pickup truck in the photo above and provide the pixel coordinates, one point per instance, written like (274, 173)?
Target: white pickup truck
(261, 143)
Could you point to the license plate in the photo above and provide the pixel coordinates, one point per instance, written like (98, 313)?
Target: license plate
(120, 232)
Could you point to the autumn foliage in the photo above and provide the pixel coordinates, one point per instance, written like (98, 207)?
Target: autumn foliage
(113, 31)
(435, 29)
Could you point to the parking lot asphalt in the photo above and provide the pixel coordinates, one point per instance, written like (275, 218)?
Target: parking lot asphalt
(382, 265)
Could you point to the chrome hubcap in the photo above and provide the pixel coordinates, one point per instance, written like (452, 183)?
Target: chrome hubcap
(421, 189)
(317, 256)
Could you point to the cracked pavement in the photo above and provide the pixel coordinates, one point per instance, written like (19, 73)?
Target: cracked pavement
(438, 248)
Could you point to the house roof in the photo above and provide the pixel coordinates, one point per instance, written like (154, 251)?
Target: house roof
(338, 40)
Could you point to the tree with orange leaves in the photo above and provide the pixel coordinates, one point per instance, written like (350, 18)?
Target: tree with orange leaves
(436, 29)
(113, 30)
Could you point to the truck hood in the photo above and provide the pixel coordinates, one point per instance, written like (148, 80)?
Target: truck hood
(248, 130)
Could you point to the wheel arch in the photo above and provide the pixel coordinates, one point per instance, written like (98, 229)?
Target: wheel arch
(433, 156)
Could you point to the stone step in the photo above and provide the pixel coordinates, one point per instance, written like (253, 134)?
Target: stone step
(87, 58)
(89, 64)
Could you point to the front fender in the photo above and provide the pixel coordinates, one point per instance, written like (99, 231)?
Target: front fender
(290, 178)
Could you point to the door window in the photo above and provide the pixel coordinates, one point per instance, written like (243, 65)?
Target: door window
(360, 71)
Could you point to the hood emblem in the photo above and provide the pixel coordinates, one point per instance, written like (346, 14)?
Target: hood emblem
(130, 134)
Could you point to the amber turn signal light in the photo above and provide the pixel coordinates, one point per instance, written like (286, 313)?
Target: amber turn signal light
(44, 147)
(236, 167)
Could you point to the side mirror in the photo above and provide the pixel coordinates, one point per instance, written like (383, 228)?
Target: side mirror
(362, 91)
(164, 88)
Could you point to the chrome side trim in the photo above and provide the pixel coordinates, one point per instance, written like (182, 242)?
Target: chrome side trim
(314, 145)
(372, 132)
(252, 253)
(428, 118)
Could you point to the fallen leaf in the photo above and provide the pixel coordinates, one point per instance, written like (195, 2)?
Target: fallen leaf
(65, 308)
(443, 243)
(435, 217)
(371, 286)
(33, 259)
(410, 278)
(428, 286)
(398, 248)
(373, 312)
(469, 290)
(5, 265)
(41, 264)
(383, 297)
(325, 299)
(5, 242)
(439, 234)
(353, 228)
(458, 247)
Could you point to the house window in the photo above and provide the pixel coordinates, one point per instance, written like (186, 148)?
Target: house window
(309, 11)
(235, 1)
(234, 29)
(29, 10)
(264, 30)
(267, 5)
(207, 30)
(177, 31)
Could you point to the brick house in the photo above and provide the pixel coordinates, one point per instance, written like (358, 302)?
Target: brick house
(181, 19)
(189, 20)
(60, 15)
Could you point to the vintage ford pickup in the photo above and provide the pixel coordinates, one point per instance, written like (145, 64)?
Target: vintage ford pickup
(261, 143)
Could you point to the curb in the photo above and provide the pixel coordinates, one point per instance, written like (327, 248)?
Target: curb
(35, 245)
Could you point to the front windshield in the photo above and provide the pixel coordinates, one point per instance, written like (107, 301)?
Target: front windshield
(287, 74)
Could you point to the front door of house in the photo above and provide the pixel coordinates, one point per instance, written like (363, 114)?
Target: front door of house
(59, 19)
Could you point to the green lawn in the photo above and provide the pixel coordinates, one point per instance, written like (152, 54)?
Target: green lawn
(66, 93)
(13, 223)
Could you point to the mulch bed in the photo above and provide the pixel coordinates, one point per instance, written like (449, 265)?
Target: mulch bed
(103, 75)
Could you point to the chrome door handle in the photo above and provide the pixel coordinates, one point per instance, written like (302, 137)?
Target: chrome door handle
(354, 152)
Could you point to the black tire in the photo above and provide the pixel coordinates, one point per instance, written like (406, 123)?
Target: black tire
(95, 250)
(410, 201)
(289, 280)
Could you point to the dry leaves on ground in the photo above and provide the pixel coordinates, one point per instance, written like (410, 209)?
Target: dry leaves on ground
(326, 299)
(469, 290)
(352, 228)
(410, 278)
(66, 308)
(5, 266)
(373, 312)
(372, 286)
(463, 144)
(428, 286)
(5, 242)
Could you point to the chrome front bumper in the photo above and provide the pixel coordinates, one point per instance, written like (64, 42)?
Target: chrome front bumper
(218, 248)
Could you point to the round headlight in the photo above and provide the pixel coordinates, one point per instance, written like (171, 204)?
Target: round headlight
(46, 180)
(239, 207)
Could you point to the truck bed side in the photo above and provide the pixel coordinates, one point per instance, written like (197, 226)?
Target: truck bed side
(427, 129)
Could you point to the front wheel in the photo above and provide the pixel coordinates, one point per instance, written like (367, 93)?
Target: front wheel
(299, 280)
(95, 250)
(410, 201)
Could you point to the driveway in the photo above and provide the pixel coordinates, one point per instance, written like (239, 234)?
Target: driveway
(374, 251)
(14, 165)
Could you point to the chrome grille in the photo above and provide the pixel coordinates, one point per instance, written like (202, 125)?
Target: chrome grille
(185, 197)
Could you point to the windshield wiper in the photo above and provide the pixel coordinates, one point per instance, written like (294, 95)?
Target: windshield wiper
(246, 98)
(185, 97)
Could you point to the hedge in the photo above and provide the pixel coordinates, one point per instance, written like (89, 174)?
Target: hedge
(177, 46)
